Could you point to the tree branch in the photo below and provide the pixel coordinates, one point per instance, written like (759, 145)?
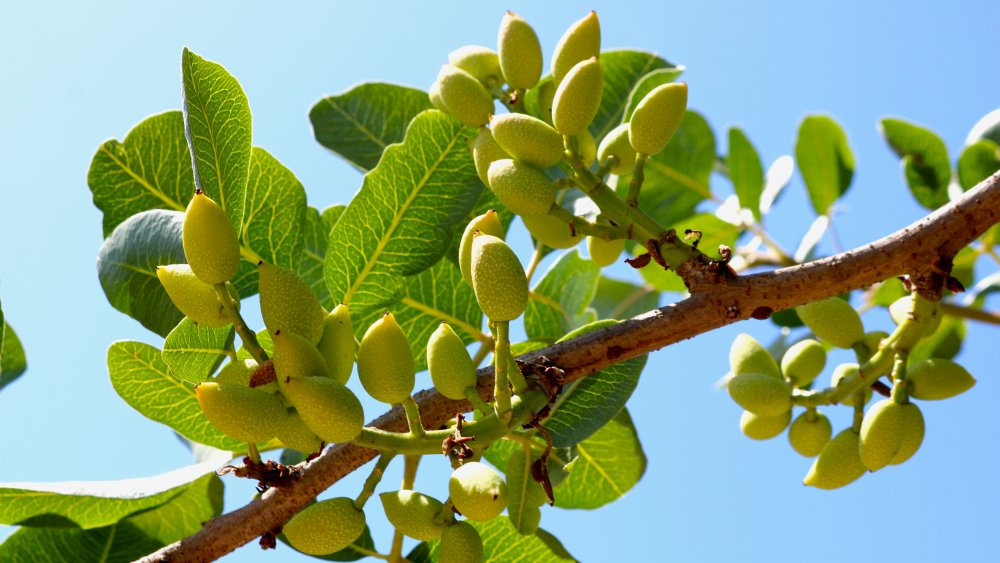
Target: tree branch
(923, 251)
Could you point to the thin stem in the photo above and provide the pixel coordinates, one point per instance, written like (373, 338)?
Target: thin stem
(638, 177)
(477, 402)
(247, 335)
(484, 350)
(367, 552)
(373, 479)
(501, 357)
(581, 225)
(970, 313)
(536, 258)
(413, 418)
(253, 453)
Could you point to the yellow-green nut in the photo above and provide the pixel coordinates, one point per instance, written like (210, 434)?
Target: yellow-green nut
(288, 304)
(338, 346)
(586, 147)
(519, 51)
(913, 433)
(242, 413)
(327, 407)
(763, 427)
(478, 492)
(210, 243)
(487, 223)
(746, 355)
(843, 371)
(803, 362)
(325, 527)
(294, 434)
(882, 432)
(434, 93)
(657, 117)
(761, 394)
(902, 309)
(833, 320)
(528, 139)
(616, 144)
(873, 340)
(839, 463)
(552, 231)
(236, 373)
(578, 97)
(481, 62)
(296, 357)
(809, 433)
(486, 150)
(604, 252)
(524, 189)
(464, 96)
(451, 367)
(546, 93)
(938, 378)
(385, 361)
(460, 543)
(195, 298)
(498, 279)
(413, 514)
(580, 42)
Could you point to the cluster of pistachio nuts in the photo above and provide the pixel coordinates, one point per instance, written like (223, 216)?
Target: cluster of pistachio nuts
(888, 433)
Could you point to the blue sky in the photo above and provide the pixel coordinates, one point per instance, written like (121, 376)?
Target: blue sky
(76, 74)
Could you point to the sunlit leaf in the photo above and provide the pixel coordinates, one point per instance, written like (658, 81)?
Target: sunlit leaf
(193, 352)
(925, 160)
(558, 302)
(978, 162)
(745, 171)
(825, 160)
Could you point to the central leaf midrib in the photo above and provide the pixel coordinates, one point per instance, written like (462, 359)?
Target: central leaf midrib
(142, 181)
(358, 124)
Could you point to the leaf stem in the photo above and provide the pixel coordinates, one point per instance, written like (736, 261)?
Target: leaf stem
(536, 258)
(373, 479)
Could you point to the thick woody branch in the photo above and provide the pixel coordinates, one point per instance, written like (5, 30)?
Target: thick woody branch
(922, 250)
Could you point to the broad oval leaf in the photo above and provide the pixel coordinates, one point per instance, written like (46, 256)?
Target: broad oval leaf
(825, 160)
(501, 542)
(617, 299)
(126, 267)
(677, 178)
(13, 362)
(316, 236)
(558, 302)
(745, 171)
(925, 160)
(622, 70)
(978, 162)
(193, 352)
(360, 123)
(524, 494)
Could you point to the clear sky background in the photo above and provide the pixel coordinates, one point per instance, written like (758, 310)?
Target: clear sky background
(75, 74)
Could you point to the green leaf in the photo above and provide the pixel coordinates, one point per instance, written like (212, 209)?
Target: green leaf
(608, 464)
(978, 162)
(622, 70)
(677, 177)
(13, 362)
(217, 123)
(141, 377)
(559, 300)
(401, 220)
(745, 171)
(825, 160)
(150, 169)
(714, 232)
(524, 494)
(616, 299)
(647, 84)
(360, 123)
(194, 352)
(925, 160)
(186, 513)
(888, 292)
(501, 542)
(126, 267)
(988, 127)
(317, 235)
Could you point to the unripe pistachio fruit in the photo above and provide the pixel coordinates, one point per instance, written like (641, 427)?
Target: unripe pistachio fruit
(498, 279)
(761, 394)
(616, 144)
(580, 42)
(210, 243)
(938, 378)
(913, 434)
(236, 373)
(546, 93)
(288, 304)
(195, 298)
(586, 147)
(434, 93)
(838, 464)
(337, 345)
(325, 527)
(552, 231)
(833, 320)
(487, 223)
(296, 357)
(803, 362)
(604, 252)
(809, 433)
(657, 117)
(294, 434)
(763, 427)
(885, 429)
(477, 491)
(485, 150)
(385, 361)
(902, 309)
(449, 363)
(524, 189)
(327, 407)
(242, 413)
(481, 62)
(527, 139)
(413, 514)
(460, 543)
(464, 96)
(519, 51)
(578, 97)
(746, 355)
(847, 370)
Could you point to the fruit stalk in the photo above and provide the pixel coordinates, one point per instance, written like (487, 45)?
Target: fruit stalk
(413, 418)
(638, 177)
(247, 336)
(374, 478)
(501, 354)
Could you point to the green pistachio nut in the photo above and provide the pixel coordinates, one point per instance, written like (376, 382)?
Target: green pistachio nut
(486, 150)
(833, 320)
(210, 243)
(294, 434)
(938, 378)
(746, 355)
(325, 527)
(478, 492)
(913, 433)
(236, 373)
(288, 304)
(546, 94)
(657, 117)
(296, 357)
(519, 51)
(464, 96)
(803, 362)
(902, 309)
(327, 407)
(498, 279)
(413, 514)
(460, 543)
(385, 361)
(881, 434)
(809, 433)
(552, 231)
(242, 413)
(843, 371)
(580, 42)
(449, 363)
(586, 147)
(434, 93)
(763, 427)
(761, 393)
(839, 463)
(488, 223)
(604, 252)
(481, 62)
(616, 144)
(338, 346)
(873, 340)
(524, 189)
(527, 139)
(578, 97)
(195, 298)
